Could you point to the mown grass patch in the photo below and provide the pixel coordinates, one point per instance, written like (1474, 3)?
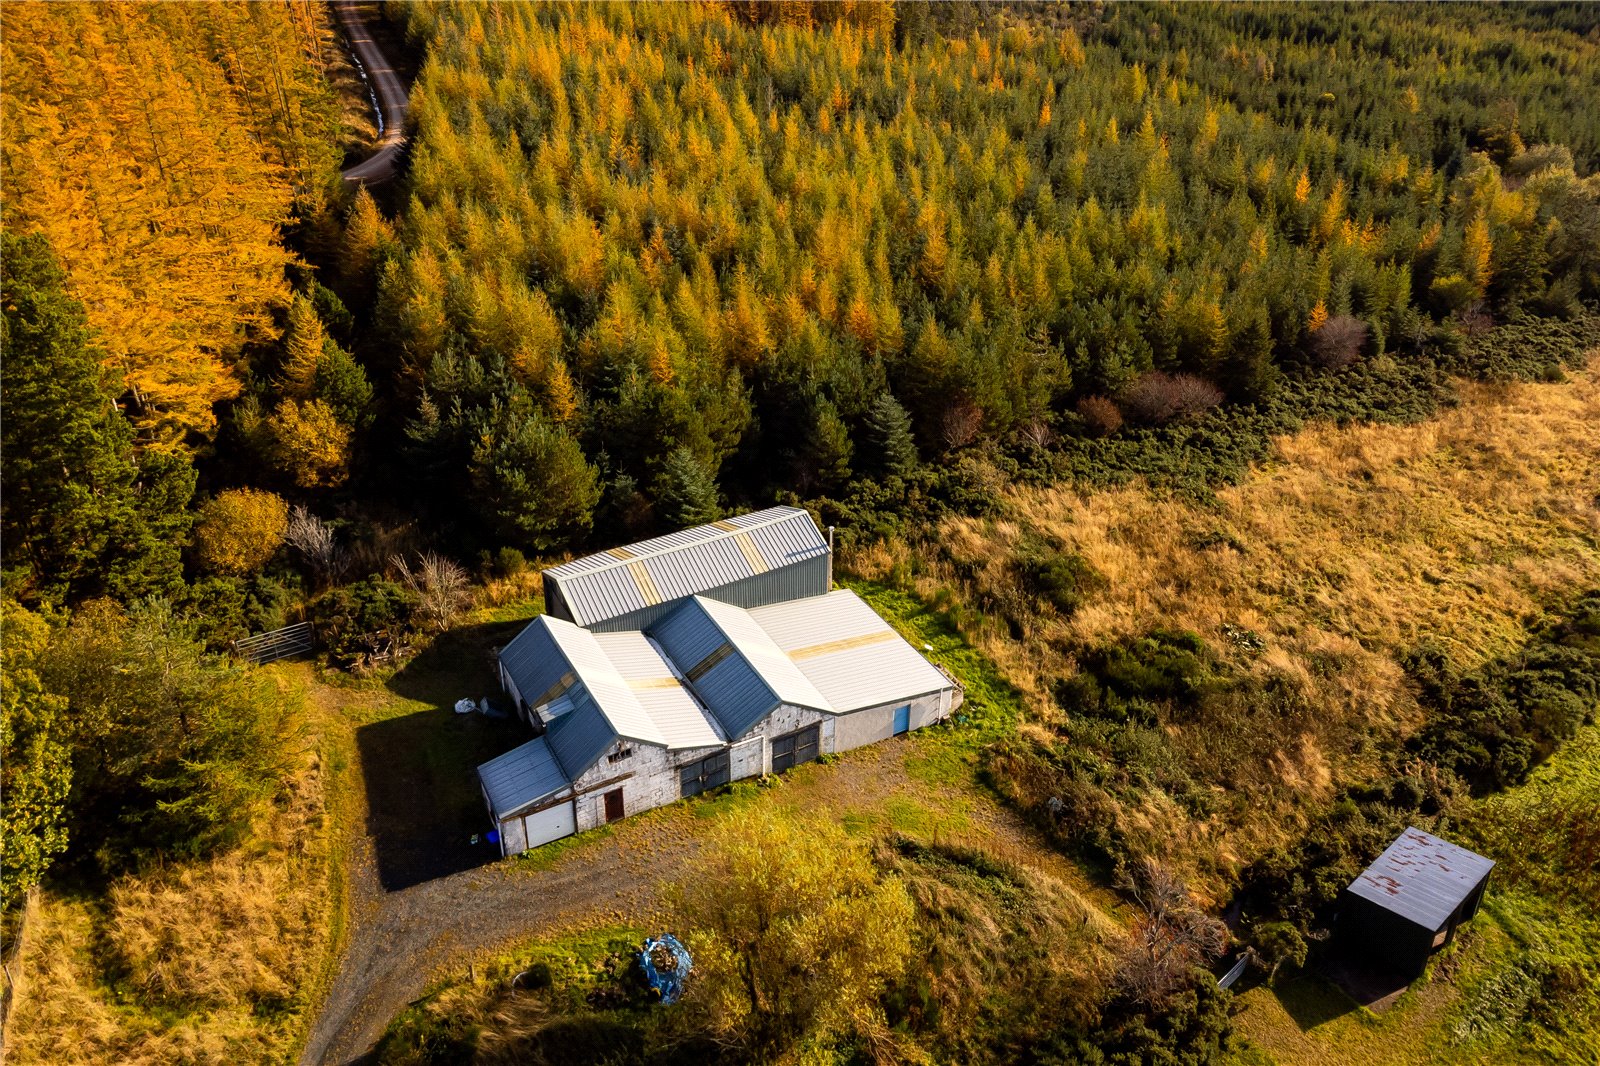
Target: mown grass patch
(992, 708)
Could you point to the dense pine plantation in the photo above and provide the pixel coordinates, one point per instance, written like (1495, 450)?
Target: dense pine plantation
(644, 229)
(963, 279)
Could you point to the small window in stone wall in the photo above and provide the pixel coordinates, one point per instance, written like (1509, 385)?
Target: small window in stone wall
(618, 755)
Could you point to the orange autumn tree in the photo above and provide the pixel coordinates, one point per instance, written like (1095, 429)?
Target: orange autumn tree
(135, 141)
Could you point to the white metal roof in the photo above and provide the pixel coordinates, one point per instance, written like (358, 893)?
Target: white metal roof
(848, 652)
(659, 690)
(690, 561)
(1422, 878)
(522, 777)
(592, 705)
(732, 665)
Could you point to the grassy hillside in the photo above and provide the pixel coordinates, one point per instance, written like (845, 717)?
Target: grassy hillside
(219, 960)
(1303, 588)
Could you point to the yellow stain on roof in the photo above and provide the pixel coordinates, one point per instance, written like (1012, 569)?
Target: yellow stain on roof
(829, 647)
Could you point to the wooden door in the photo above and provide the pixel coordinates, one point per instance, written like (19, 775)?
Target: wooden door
(613, 804)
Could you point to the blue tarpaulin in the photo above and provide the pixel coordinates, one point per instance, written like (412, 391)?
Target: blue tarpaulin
(666, 963)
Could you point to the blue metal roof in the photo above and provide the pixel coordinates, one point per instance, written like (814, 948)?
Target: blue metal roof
(521, 777)
(732, 665)
(561, 669)
(691, 561)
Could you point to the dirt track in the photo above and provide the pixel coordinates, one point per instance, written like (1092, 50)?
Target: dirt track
(401, 938)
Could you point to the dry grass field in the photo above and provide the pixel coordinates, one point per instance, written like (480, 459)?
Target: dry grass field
(213, 961)
(1350, 547)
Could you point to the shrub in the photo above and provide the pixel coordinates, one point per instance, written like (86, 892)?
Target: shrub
(509, 562)
(1338, 342)
(1063, 579)
(347, 618)
(1158, 397)
(240, 530)
(1100, 415)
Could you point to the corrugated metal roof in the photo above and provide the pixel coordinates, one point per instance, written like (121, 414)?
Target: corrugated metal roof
(556, 664)
(521, 777)
(658, 688)
(848, 652)
(732, 665)
(690, 561)
(1422, 878)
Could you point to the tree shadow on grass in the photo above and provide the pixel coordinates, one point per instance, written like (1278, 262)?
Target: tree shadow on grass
(423, 799)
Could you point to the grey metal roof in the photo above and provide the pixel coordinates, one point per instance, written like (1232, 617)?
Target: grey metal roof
(690, 561)
(592, 704)
(848, 652)
(732, 665)
(522, 777)
(1422, 878)
(660, 690)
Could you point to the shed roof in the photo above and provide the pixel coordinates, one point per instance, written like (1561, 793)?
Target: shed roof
(848, 652)
(621, 580)
(562, 668)
(521, 777)
(1422, 878)
(660, 691)
(732, 665)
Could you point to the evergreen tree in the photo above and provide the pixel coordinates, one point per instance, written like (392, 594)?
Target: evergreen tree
(821, 455)
(890, 450)
(685, 493)
(531, 485)
(80, 516)
(35, 761)
(342, 384)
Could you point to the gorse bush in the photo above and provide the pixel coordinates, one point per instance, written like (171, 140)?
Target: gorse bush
(1491, 727)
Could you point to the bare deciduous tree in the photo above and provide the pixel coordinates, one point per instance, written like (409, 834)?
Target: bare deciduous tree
(314, 540)
(1170, 937)
(1101, 415)
(441, 587)
(960, 423)
(1158, 397)
(1338, 342)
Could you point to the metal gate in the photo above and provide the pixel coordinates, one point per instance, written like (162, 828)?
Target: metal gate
(297, 639)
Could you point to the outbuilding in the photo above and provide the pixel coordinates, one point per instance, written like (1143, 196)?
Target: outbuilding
(1410, 901)
(748, 560)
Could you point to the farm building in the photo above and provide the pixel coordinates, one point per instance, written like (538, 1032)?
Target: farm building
(1408, 903)
(706, 692)
(750, 560)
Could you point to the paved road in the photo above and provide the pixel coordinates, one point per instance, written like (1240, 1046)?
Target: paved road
(390, 100)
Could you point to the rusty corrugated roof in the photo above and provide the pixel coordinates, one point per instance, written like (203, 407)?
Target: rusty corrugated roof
(1422, 878)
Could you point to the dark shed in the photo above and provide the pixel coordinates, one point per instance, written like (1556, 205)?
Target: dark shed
(1408, 903)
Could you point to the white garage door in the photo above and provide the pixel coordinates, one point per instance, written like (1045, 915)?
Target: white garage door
(551, 824)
